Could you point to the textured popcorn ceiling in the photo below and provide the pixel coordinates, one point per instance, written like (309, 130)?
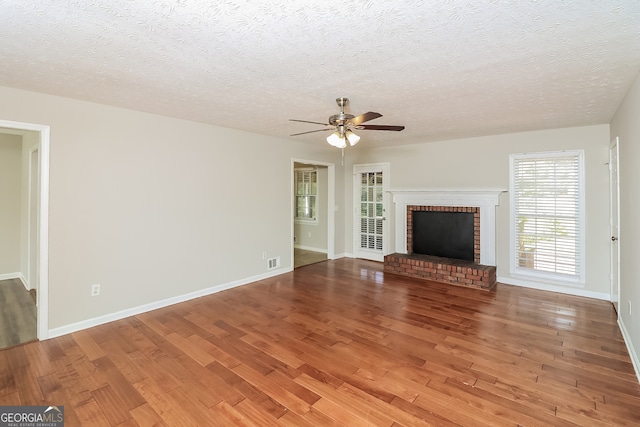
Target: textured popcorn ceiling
(444, 69)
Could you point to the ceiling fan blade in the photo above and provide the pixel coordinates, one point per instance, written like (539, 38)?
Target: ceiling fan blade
(307, 121)
(370, 115)
(380, 127)
(311, 131)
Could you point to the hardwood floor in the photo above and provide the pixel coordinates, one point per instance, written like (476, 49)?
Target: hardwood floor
(339, 343)
(302, 257)
(17, 314)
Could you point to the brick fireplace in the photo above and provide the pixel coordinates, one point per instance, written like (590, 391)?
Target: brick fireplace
(479, 273)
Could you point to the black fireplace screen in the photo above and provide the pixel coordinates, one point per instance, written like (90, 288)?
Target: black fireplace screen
(443, 234)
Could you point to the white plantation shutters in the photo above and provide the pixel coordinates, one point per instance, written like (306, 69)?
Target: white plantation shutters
(371, 210)
(547, 206)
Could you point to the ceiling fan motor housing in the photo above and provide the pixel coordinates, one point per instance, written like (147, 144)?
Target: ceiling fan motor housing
(338, 119)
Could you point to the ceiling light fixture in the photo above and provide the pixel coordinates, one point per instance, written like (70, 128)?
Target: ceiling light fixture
(340, 137)
(353, 138)
(337, 140)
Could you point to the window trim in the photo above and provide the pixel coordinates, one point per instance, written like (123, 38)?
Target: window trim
(516, 271)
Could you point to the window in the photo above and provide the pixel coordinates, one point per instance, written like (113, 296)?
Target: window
(306, 182)
(547, 216)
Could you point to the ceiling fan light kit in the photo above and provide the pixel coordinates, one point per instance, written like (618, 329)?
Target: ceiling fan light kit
(353, 138)
(336, 140)
(340, 138)
(344, 124)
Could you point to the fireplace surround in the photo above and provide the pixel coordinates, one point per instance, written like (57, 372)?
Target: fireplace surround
(479, 273)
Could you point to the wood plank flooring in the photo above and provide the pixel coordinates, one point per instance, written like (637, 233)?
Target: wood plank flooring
(17, 314)
(302, 257)
(339, 343)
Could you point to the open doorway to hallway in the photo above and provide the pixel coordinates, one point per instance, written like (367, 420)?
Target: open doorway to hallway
(24, 188)
(313, 212)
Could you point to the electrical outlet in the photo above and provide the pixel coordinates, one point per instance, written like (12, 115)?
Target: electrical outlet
(95, 290)
(264, 255)
(309, 234)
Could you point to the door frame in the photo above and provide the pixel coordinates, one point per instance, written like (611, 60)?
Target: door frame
(385, 168)
(42, 323)
(33, 207)
(614, 246)
(331, 205)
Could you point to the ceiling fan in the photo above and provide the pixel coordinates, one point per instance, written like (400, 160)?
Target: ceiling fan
(344, 124)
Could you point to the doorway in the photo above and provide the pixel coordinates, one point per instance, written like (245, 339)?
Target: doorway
(313, 212)
(32, 269)
(371, 202)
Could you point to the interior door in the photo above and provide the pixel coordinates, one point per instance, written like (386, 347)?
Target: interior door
(614, 210)
(371, 206)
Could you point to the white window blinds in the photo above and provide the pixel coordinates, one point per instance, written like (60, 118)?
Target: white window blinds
(306, 193)
(547, 215)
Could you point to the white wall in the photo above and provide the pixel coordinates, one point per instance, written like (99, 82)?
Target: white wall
(480, 163)
(153, 208)
(626, 125)
(10, 197)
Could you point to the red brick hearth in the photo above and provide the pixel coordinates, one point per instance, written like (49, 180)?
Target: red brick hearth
(452, 271)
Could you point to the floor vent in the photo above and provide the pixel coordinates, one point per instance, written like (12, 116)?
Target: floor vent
(273, 263)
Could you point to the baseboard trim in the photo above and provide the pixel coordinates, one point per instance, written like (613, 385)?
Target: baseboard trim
(554, 288)
(632, 353)
(89, 323)
(19, 276)
(309, 248)
(9, 276)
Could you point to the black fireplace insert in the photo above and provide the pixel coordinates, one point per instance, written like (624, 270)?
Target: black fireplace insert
(443, 234)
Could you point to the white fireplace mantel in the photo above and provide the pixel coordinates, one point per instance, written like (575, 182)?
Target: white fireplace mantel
(484, 199)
